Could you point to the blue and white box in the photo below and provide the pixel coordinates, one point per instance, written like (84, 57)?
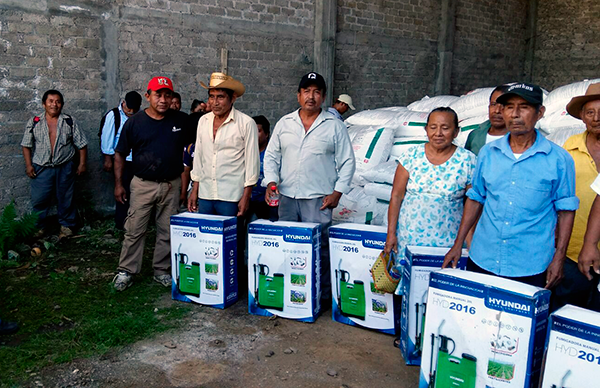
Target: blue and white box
(284, 269)
(420, 262)
(203, 259)
(483, 331)
(573, 349)
(353, 248)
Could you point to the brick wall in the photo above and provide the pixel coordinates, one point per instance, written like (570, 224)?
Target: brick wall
(386, 51)
(567, 42)
(489, 43)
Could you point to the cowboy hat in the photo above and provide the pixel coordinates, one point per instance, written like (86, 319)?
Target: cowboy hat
(223, 81)
(576, 104)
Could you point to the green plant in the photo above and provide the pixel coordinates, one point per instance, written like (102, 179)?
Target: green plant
(13, 229)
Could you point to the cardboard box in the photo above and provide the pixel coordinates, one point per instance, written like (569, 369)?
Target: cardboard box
(352, 250)
(420, 262)
(203, 259)
(482, 331)
(573, 349)
(283, 269)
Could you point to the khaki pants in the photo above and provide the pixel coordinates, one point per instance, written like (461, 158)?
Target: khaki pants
(145, 196)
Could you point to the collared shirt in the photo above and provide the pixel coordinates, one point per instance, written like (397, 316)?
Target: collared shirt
(228, 162)
(585, 172)
(109, 140)
(68, 140)
(309, 164)
(596, 185)
(521, 197)
(478, 137)
(334, 112)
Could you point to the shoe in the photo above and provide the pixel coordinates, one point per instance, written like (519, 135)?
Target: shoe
(165, 280)
(122, 281)
(40, 233)
(65, 232)
(8, 327)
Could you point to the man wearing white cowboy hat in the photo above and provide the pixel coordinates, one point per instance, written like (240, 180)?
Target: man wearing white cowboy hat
(227, 163)
(341, 106)
(578, 285)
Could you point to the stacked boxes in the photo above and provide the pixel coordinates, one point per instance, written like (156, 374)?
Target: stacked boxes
(482, 331)
(352, 249)
(203, 259)
(573, 350)
(283, 269)
(420, 262)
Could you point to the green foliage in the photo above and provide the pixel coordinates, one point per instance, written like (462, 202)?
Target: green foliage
(13, 229)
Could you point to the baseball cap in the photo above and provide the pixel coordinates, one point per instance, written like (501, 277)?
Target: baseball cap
(531, 93)
(133, 100)
(346, 99)
(158, 83)
(313, 78)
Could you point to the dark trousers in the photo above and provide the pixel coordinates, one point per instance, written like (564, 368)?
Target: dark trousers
(575, 289)
(538, 280)
(122, 208)
(50, 182)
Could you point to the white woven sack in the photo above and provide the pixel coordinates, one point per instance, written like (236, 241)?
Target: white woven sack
(377, 117)
(383, 173)
(401, 144)
(473, 104)
(466, 127)
(560, 121)
(371, 147)
(427, 104)
(380, 191)
(558, 99)
(560, 137)
(355, 207)
(410, 124)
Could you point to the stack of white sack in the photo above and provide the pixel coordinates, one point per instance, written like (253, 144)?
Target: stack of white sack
(359, 208)
(467, 126)
(401, 144)
(372, 146)
(557, 124)
(376, 117)
(473, 104)
(427, 104)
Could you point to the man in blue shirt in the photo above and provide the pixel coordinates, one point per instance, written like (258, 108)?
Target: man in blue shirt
(341, 106)
(109, 138)
(524, 190)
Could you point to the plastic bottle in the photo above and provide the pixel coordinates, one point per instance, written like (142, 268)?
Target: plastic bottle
(274, 204)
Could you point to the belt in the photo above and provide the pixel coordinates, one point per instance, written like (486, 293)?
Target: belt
(157, 180)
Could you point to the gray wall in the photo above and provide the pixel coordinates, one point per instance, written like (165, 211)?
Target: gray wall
(386, 53)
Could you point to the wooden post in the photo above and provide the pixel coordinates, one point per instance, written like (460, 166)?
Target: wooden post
(324, 51)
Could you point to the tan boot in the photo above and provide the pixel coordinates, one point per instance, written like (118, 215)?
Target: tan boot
(65, 232)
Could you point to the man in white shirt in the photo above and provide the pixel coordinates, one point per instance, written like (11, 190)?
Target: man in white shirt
(226, 162)
(310, 160)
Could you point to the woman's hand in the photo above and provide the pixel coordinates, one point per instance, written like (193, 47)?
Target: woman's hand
(391, 243)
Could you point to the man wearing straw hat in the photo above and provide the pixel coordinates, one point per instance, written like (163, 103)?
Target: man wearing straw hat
(227, 162)
(579, 282)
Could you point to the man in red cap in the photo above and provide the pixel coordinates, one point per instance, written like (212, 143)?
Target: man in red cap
(156, 137)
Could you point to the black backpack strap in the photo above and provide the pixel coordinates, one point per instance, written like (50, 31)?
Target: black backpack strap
(69, 120)
(36, 120)
(117, 116)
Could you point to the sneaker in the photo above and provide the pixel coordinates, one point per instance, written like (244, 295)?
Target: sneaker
(165, 280)
(122, 281)
(65, 232)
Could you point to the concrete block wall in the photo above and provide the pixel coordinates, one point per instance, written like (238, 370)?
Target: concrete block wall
(489, 43)
(386, 51)
(567, 42)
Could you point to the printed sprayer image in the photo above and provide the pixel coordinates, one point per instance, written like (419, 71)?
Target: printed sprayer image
(188, 274)
(563, 380)
(448, 370)
(420, 309)
(268, 291)
(351, 296)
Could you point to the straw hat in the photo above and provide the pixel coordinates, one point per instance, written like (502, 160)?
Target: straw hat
(223, 81)
(576, 104)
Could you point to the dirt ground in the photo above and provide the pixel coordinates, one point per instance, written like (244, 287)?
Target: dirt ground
(231, 348)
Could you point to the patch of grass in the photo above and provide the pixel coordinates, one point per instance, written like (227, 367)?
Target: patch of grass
(67, 308)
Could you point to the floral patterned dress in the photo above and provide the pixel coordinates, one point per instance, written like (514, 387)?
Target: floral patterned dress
(433, 205)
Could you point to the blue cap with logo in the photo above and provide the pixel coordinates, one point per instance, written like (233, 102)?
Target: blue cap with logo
(533, 94)
(313, 78)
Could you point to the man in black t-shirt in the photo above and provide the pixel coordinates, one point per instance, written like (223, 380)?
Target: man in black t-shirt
(156, 136)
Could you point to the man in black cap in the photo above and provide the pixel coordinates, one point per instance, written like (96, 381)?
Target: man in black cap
(310, 161)
(110, 131)
(524, 190)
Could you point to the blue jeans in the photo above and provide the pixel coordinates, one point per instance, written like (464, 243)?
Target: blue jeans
(219, 208)
(50, 182)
